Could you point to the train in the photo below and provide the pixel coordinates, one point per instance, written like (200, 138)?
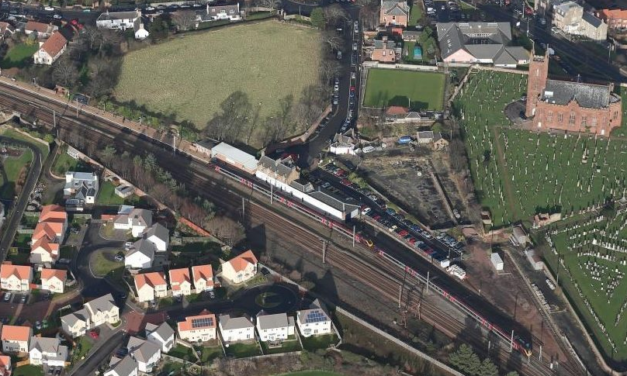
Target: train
(518, 343)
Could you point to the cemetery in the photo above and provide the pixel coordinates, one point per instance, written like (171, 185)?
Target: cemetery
(518, 173)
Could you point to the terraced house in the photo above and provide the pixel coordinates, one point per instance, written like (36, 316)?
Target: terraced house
(16, 277)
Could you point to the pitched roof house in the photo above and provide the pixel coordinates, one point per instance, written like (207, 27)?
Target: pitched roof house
(51, 50)
(48, 235)
(274, 327)
(203, 278)
(15, 277)
(76, 323)
(53, 280)
(158, 235)
(150, 286)
(118, 20)
(145, 353)
(6, 29)
(394, 13)
(43, 30)
(235, 329)
(180, 282)
(122, 367)
(199, 328)
(5, 365)
(136, 220)
(81, 188)
(615, 18)
(161, 335)
(16, 339)
(103, 310)
(241, 268)
(47, 351)
(314, 321)
(141, 255)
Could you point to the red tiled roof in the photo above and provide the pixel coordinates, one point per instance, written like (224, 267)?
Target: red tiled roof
(53, 212)
(202, 272)
(15, 333)
(179, 276)
(22, 272)
(187, 324)
(46, 245)
(240, 262)
(54, 44)
(613, 13)
(151, 279)
(47, 274)
(47, 229)
(396, 110)
(36, 26)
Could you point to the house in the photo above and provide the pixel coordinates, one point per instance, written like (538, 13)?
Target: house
(103, 310)
(53, 280)
(76, 323)
(43, 30)
(394, 112)
(16, 277)
(5, 365)
(385, 51)
(124, 190)
(480, 43)
(130, 218)
(394, 13)
(141, 255)
(180, 282)
(241, 268)
(570, 106)
(44, 251)
(315, 320)
(140, 30)
(159, 236)
(118, 20)
(6, 29)
(146, 354)
(204, 146)
(161, 335)
(411, 36)
(16, 339)
(274, 327)
(81, 188)
(543, 219)
(200, 328)
(48, 352)
(283, 170)
(342, 144)
(439, 142)
(51, 50)
(236, 329)
(150, 286)
(220, 12)
(203, 278)
(425, 137)
(571, 18)
(48, 234)
(616, 19)
(122, 367)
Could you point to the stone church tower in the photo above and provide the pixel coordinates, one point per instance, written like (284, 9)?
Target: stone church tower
(538, 73)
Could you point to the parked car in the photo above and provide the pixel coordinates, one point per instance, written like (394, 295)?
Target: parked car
(354, 46)
(7, 296)
(49, 9)
(24, 298)
(93, 334)
(37, 325)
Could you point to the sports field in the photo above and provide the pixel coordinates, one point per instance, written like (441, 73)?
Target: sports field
(517, 173)
(392, 87)
(191, 75)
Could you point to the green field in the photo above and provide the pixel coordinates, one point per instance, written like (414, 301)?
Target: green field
(191, 75)
(579, 276)
(18, 56)
(10, 173)
(519, 173)
(392, 87)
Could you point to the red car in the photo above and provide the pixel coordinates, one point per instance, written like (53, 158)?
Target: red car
(412, 241)
(376, 217)
(93, 334)
(403, 233)
(346, 182)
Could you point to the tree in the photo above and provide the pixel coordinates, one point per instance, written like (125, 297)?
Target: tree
(184, 20)
(488, 368)
(273, 4)
(465, 360)
(317, 18)
(334, 14)
(107, 155)
(158, 28)
(513, 373)
(332, 40)
(234, 117)
(329, 68)
(65, 73)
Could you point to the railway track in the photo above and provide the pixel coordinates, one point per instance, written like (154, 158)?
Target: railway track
(386, 284)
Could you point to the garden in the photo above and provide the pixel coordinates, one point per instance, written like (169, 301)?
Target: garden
(12, 168)
(417, 90)
(19, 55)
(518, 173)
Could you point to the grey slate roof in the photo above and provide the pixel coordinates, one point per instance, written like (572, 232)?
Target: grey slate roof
(333, 202)
(483, 40)
(74, 317)
(164, 330)
(278, 320)
(230, 323)
(102, 304)
(395, 8)
(302, 185)
(587, 95)
(518, 53)
(123, 367)
(280, 167)
(50, 347)
(141, 349)
(159, 231)
(117, 16)
(144, 247)
(592, 20)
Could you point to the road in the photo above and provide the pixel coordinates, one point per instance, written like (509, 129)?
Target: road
(15, 217)
(107, 347)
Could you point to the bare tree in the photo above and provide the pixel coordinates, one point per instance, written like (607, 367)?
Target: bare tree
(273, 4)
(332, 40)
(65, 73)
(334, 14)
(329, 68)
(184, 20)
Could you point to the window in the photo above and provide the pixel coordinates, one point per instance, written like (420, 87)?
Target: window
(594, 121)
(549, 116)
(560, 118)
(583, 121)
(615, 115)
(571, 118)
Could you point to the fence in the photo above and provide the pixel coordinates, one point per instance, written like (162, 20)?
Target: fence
(376, 64)
(289, 17)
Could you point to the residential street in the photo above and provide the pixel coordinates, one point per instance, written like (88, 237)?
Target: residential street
(103, 348)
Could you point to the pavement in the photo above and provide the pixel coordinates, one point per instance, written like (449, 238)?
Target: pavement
(103, 348)
(19, 206)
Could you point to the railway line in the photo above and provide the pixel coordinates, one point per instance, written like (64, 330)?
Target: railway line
(388, 277)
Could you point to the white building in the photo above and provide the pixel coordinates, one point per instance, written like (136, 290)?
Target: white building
(315, 320)
(180, 282)
(275, 327)
(99, 311)
(82, 187)
(50, 50)
(241, 268)
(53, 280)
(140, 30)
(76, 324)
(16, 277)
(203, 278)
(236, 329)
(200, 328)
(5, 365)
(122, 367)
(158, 235)
(16, 339)
(141, 255)
(146, 354)
(161, 335)
(150, 286)
(118, 20)
(47, 351)
(136, 220)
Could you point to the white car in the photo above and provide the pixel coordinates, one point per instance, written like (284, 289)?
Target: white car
(49, 9)
(57, 17)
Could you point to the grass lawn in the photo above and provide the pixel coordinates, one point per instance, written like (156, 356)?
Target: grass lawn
(18, 56)
(267, 61)
(415, 15)
(182, 352)
(243, 350)
(314, 343)
(12, 167)
(82, 348)
(102, 266)
(19, 257)
(28, 370)
(22, 241)
(19, 136)
(64, 163)
(385, 87)
(207, 354)
(172, 367)
(107, 195)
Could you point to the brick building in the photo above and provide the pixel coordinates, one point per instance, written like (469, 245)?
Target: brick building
(570, 106)
(616, 18)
